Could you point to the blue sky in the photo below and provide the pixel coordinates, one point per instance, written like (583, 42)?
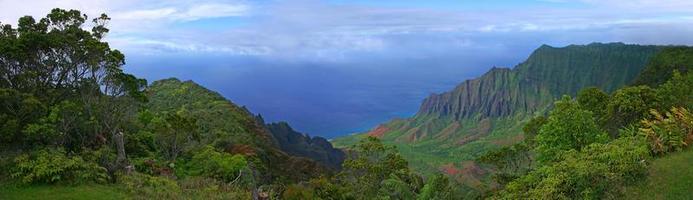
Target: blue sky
(337, 66)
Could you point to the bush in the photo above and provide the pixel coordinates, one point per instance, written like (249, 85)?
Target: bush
(213, 164)
(144, 186)
(206, 188)
(568, 127)
(299, 192)
(670, 132)
(598, 171)
(53, 166)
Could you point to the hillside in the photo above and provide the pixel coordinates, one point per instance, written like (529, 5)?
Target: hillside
(228, 126)
(488, 111)
(301, 145)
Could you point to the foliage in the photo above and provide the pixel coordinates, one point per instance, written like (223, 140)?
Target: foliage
(174, 131)
(531, 129)
(594, 100)
(568, 127)
(510, 161)
(53, 166)
(16, 111)
(629, 105)
(677, 91)
(145, 186)
(219, 165)
(672, 131)
(373, 164)
(206, 188)
(438, 187)
(299, 192)
(598, 171)
(660, 67)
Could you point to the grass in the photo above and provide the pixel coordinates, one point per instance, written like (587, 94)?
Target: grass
(670, 177)
(78, 192)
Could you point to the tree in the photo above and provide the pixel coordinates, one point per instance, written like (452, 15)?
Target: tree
(437, 187)
(73, 73)
(677, 91)
(594, 100)
(568, 127)
(373, 164)
(629, 105)
(531, 129)
(510, 162)
(598, 171)
(174, 132)
(17, 110)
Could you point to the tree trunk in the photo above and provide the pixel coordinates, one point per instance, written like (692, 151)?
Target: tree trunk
(121, 159)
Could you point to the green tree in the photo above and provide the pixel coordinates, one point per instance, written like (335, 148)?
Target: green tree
(677, 91)
(594, 100)
(174, 133)
(510, 162)
(17, 110)
(220, 165)
(73, 73)
(629, 105)
(568, 127)
(371, 165)
(598, 171)
(531, 129)
(437, 187)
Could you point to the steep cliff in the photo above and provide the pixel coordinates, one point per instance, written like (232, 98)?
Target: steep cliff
(488, 111)
(299, 144)
(534, 84)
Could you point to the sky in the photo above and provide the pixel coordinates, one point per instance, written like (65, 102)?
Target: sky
(335, 67)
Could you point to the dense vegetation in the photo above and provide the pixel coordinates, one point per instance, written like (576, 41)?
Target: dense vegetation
(72, 122)
(576, 158)
(453, 128)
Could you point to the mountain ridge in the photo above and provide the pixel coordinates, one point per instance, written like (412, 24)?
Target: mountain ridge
(485, 112)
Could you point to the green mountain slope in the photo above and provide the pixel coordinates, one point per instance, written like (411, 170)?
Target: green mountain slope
(228, 126)
(489, 111)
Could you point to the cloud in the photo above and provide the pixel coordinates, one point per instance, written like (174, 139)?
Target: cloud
(319, 30)
(196, 12)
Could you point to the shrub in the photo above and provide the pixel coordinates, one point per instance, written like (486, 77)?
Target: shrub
(568, 127)
(142, 186)
(598, 171)
(672, 131)
(298, 192)
(206, 188)
(53, 166)
(223, 166)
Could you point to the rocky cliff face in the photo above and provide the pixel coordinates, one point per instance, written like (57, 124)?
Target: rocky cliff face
(489, 111)
(532, 85)
(298, 144)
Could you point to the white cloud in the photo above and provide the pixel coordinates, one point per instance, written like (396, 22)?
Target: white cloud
(316, 29)
(191, 13)
(152, 14)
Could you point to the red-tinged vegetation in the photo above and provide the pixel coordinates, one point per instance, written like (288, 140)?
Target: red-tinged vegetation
(378, 132)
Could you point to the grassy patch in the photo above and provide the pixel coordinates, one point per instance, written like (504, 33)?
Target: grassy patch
(86, 192)
(670, 177)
